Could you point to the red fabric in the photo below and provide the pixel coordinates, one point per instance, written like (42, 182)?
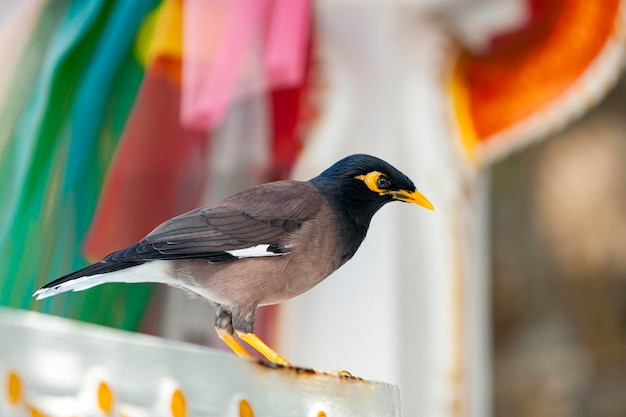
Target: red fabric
(293, 111)
(159, 169)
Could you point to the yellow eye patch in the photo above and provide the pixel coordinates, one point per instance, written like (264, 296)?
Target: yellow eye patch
(373, 180)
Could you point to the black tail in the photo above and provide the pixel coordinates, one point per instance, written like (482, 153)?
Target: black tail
(99, 268)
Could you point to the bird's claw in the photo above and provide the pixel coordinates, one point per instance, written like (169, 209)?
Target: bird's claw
(254, 341)
(261, 347)
(233, 343)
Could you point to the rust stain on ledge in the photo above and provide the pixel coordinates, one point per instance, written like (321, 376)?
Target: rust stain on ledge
(302, 371)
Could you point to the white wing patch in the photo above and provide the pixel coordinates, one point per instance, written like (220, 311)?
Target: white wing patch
(253, 252)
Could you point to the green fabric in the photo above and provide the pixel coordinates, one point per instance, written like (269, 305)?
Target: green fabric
(42, 222)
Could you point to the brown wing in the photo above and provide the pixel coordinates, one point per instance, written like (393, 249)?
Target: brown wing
(262, 215)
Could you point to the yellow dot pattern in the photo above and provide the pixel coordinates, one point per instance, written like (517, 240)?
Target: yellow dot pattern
(36, 413)
(14, 388)
(179, 405)
(105, 398)
(245, 409)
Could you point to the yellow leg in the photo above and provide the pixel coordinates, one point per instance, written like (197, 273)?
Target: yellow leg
(254, 341)
(232, 343)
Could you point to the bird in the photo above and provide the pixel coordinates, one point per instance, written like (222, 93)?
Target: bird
(260, 246)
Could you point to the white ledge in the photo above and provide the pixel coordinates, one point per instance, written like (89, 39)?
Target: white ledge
(61, 367)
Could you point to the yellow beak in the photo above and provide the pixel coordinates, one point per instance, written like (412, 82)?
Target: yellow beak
(414, 197)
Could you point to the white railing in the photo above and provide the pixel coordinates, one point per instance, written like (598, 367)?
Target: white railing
(52, 367)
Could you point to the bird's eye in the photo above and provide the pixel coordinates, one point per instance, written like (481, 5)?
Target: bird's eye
(383, 182)
(375, 181)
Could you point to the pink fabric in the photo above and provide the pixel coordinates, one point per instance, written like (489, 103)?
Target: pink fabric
(239, 47)
(286, 43)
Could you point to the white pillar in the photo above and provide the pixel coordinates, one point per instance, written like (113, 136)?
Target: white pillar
(410, 307)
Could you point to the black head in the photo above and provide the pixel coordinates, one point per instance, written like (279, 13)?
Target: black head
(360, 184)
(357, 187)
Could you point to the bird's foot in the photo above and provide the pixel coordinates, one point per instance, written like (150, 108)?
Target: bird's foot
(233, 343)
(269, 353)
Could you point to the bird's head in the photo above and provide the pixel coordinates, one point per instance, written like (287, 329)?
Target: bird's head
(364, 183)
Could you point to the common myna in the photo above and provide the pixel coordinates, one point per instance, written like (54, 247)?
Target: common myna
(260, 246)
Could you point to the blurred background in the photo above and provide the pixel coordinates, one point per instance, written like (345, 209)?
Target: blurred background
(559, 270)
(509, 115)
